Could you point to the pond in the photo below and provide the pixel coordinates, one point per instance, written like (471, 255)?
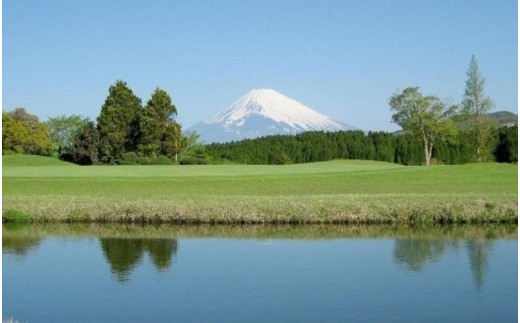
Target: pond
(105, 273)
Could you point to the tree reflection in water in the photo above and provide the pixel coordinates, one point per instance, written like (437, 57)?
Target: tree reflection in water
(478, 251)
(413, 248)
(415, 252)
(20, 246)
(123, 254)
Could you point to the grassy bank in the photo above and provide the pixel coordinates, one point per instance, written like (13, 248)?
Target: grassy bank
(329, 192)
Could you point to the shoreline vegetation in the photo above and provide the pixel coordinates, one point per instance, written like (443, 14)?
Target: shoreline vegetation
(42, 190)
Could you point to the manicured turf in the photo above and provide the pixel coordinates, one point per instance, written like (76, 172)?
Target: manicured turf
(329, 192)
(31, 160)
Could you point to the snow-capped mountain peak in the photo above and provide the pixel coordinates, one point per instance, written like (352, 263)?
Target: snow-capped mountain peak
(262, 112)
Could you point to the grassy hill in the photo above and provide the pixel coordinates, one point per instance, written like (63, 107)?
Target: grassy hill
(329, 192)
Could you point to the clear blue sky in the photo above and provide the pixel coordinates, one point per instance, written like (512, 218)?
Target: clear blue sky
(343, 58)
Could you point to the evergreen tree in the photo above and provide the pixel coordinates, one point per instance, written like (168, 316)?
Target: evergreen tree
(118, 122)
(86, 146)
(506, 150)
(157, 129)
(476, 104)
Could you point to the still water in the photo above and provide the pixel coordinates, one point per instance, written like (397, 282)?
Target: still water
(101, 273)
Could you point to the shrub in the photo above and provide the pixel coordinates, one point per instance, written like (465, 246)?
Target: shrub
(144, 160)
(129, 158)
(193, 161)
(162, 160)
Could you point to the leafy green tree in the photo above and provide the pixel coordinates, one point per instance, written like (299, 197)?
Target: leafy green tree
(22, 132)
(424, 116)
(15, 134)
(22, 115)
(157, 129)
(118, 122)
(64, 129)
(477, 105)
(191, 147)
(40, 143)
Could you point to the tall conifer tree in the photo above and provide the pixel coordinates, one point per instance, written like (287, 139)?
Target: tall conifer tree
(477, 105)
(118, 123)
(157, 128)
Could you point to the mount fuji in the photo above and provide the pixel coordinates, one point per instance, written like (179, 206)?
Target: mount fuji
(263, 112)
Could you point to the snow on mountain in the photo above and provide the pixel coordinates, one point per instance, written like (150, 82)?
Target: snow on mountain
(260, 113)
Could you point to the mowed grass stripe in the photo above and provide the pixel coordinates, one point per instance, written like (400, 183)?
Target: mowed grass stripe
(485, 179)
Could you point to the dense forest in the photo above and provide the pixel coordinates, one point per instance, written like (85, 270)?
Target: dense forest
(402, 148)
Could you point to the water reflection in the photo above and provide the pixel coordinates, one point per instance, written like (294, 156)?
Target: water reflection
(478, 252)
(125, 247)
(124, 254)
(414, 253)
(20, 246)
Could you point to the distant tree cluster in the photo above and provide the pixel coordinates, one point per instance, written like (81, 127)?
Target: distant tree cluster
(125, 132)
(124, 127)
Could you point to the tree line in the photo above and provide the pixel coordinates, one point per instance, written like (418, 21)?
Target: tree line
(400, 148)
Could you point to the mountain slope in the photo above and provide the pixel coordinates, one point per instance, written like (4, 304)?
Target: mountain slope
(261, 113)
(504, 117)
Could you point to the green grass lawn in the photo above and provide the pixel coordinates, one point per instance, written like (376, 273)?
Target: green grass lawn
(338, 191)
